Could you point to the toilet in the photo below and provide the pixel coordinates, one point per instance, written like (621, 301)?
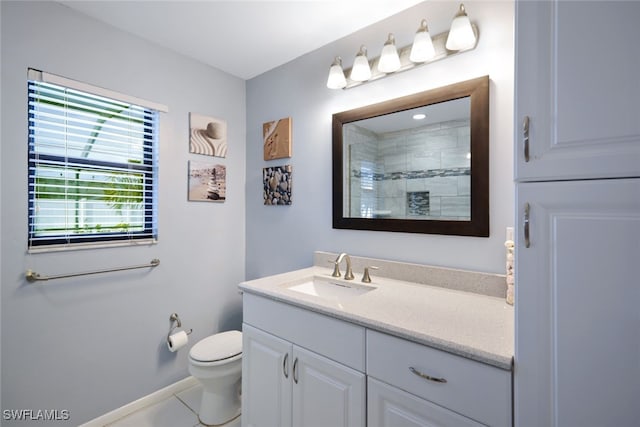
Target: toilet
(216, 362)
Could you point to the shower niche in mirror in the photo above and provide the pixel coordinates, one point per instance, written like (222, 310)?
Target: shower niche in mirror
(417, 164)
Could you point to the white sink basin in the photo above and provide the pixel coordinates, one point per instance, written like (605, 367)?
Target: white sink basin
(330, 289)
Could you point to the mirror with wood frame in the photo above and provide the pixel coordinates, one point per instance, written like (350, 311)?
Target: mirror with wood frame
(416, 164)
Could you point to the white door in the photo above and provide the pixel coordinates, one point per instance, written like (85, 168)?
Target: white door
(577, 354)
(266, 379)
(388, 406)
(326, 393)
(577, 80)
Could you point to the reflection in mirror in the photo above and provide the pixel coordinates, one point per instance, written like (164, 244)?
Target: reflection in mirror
(413, 164)
(416, 164)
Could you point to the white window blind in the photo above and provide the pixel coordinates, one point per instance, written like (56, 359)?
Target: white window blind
(92, 168)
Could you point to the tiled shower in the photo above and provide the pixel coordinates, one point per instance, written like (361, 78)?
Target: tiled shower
(419, 173)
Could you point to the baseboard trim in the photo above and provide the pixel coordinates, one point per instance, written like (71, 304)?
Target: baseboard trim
(148, 400)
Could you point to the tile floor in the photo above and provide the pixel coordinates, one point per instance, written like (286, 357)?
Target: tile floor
(179, 410)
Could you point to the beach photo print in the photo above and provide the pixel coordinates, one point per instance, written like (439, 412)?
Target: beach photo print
(207, 182)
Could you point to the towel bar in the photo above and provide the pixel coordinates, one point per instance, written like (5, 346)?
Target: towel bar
(32, 276)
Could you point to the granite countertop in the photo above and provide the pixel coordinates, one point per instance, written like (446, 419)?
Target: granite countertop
(475, 326)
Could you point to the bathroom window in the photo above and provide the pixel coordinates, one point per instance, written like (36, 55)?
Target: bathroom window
(92, 166)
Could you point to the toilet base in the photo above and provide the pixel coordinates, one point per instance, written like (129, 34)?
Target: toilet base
(217, 409)
(234, 422)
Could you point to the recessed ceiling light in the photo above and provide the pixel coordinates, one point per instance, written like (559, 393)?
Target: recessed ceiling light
(419, 116)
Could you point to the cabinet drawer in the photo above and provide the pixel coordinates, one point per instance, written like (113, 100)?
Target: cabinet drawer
(473, 389)
(391, 407)
(333, 338)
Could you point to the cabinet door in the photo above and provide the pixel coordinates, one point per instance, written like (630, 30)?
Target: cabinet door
(577, 68)
(266, 379)
(326, 393)
(388, 406)
(577, 304)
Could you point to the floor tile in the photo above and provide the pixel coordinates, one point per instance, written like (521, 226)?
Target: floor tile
(191, 397)
(168, 413)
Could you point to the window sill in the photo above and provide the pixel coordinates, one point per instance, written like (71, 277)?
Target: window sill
(99, 245)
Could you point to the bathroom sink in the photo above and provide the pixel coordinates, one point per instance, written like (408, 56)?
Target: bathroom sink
(330, 289)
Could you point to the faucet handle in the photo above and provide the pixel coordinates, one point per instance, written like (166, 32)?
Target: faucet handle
(366, 278)
(336, 268)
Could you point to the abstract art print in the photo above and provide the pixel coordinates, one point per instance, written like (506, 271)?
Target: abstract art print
(277, 185)
(207, 135)
(277, 139)
(207, 182)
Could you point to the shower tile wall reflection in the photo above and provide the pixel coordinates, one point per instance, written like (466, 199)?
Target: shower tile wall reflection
(421, 173)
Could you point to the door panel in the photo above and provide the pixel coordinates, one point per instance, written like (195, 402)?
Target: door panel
(326, 393)
(266, 390)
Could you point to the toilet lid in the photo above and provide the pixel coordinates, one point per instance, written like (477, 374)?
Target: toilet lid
(217, 347)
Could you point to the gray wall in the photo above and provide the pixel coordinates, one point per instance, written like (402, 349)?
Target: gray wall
(95, 343)
(281, 238)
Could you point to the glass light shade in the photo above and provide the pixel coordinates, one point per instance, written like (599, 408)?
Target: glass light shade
(422, 49)
(336, 78)
(389, 59)
(361, 71)
(461, 34)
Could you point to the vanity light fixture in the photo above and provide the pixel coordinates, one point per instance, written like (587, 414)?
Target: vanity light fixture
(422, 48)
(389, 59)
(336, 79)
(462, 36)
(361, 70)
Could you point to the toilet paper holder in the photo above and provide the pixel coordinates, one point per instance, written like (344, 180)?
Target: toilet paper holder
(176, 323)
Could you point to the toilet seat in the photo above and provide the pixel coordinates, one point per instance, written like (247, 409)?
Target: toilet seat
(217, 349)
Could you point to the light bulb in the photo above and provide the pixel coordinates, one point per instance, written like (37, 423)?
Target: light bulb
(461, 35)
(361, 70)
(389, 59)
(422, 49)
(336, 78)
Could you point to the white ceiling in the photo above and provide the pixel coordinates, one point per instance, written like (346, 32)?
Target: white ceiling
(242, 38)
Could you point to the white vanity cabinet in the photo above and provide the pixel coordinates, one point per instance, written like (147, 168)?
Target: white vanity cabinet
(300, 368)
(415, 385)
(578, 214)
(577, 305)
(577, 68)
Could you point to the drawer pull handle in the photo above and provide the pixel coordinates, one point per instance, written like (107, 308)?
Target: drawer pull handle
(527, 238)
(285, 366)
(525, 134)
(295, 370)
(427, 377)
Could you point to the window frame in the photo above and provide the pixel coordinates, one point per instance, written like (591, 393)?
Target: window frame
(147, 168)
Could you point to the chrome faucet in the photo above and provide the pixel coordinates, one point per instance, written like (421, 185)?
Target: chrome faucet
(348, 275)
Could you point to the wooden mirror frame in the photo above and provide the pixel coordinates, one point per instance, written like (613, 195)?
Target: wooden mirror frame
(478, 91)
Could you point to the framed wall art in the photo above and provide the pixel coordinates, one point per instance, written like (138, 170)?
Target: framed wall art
(277, 139)
(207, 135)
(277, 185)
(207, 182)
